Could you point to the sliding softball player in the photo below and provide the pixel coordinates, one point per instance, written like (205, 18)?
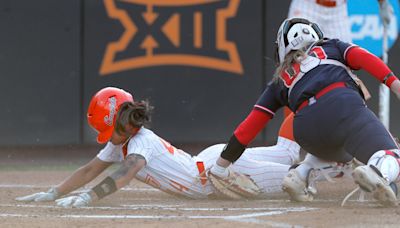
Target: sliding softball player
(120, 121)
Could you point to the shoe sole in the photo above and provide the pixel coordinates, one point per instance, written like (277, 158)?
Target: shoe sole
(294, 195)
(381, 192)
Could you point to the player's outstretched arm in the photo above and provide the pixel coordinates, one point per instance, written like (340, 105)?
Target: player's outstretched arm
(126, 172)
(358, 58)
(79, 178)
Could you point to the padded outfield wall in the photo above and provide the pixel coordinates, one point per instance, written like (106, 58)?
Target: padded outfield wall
(202, 64)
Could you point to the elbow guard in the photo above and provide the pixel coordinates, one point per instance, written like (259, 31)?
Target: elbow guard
(233, 150)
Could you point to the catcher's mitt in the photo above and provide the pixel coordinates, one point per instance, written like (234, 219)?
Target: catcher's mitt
(235, 185)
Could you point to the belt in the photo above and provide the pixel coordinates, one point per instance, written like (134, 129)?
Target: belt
(326, 3)
(202, 173)
(321, 93)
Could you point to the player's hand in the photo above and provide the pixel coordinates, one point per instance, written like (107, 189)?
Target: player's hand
(386, 12)
(81, 200)
(219, 171)
(50, 195)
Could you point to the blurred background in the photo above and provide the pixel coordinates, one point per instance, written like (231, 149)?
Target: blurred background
(201, 63)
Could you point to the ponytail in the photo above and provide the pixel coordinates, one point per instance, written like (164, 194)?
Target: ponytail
(137, 114)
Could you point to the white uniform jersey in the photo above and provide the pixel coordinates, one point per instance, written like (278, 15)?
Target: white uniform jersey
(176, 172)
(333, 21)
(167, 168)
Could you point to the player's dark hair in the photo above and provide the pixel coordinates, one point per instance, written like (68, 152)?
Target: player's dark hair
(136, 113)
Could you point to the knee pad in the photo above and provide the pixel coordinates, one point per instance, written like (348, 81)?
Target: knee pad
(324, 169)
(388, 163)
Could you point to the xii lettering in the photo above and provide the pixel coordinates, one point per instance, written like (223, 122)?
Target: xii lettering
(174, 32)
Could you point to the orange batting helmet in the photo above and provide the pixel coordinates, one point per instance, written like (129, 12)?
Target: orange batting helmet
(103, 109)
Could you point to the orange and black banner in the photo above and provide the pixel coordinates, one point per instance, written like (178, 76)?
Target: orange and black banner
(174, 32)
(199, 62)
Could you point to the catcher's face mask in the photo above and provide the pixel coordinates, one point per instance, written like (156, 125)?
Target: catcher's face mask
(294, 34)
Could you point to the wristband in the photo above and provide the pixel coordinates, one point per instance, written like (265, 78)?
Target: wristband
(105, 188)
(233, 150)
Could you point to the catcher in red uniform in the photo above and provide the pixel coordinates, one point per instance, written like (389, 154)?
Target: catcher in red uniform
(332, 122)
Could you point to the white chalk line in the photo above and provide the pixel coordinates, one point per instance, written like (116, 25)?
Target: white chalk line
(145, 189)
(243, 218)
(164, 207)
(133, 189)
(246, 218)
(131, 207)
(179, 208)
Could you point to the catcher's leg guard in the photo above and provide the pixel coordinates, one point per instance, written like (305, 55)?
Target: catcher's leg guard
(387, 162)
(300, 182)
(313, 162)
(379, 175)
(371, 180)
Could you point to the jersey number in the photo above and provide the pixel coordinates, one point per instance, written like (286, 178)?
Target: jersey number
(319, 52)
(171, 149)
(289, 77)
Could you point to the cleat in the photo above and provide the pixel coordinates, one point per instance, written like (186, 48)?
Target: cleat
(393, 185)
(296, 187)
(369, 179)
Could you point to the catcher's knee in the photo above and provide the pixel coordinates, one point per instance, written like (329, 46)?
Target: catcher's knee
(388, 163)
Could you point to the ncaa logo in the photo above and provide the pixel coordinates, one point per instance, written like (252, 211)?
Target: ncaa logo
(366, 25)
(172, 32)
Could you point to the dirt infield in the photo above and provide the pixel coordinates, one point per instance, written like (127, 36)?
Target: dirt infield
(139, 205)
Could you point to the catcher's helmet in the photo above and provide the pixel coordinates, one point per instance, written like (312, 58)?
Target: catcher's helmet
(294, 34)
(103, 109)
